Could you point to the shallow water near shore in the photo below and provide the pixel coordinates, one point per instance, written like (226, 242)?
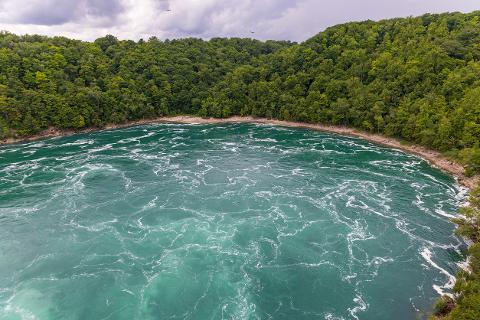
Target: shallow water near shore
(231, 221)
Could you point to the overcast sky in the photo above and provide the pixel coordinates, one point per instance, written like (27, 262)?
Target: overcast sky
(294, 20)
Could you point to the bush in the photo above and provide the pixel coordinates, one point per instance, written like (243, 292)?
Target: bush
(467, 288)
(444, 306)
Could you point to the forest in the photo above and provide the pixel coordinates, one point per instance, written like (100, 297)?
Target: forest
(416, 79)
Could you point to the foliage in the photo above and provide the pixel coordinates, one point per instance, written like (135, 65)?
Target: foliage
(417, 79)
(469, 224)
(444, 306)
(467, 287)
(66, 83)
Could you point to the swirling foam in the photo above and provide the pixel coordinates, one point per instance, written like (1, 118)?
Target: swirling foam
(222, 221)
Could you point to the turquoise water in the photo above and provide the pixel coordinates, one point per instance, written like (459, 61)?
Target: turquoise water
(221, 222)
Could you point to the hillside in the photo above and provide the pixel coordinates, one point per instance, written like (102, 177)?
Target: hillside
(414, 78)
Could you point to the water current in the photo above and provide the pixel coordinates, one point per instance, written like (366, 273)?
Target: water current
(234, 221)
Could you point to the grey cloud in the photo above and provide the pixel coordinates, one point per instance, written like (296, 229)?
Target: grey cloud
(313, 16)
(270, 19)
(103, 7)
(223, 17)
(57, 12)
(47, 13)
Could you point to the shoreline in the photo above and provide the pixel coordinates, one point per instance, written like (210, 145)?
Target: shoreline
(434, 158)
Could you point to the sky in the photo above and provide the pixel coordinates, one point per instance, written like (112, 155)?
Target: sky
(294, 20)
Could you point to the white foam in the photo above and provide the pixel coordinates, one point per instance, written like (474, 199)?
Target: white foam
(361, 305)
(98, 149)
(427, 255)
(444, 214)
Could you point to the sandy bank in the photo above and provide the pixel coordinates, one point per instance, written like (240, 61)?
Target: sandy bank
(433, 157)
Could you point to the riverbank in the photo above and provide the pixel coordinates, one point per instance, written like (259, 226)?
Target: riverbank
(435, 158)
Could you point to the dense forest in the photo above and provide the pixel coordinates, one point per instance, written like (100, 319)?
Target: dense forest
(417, 79)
